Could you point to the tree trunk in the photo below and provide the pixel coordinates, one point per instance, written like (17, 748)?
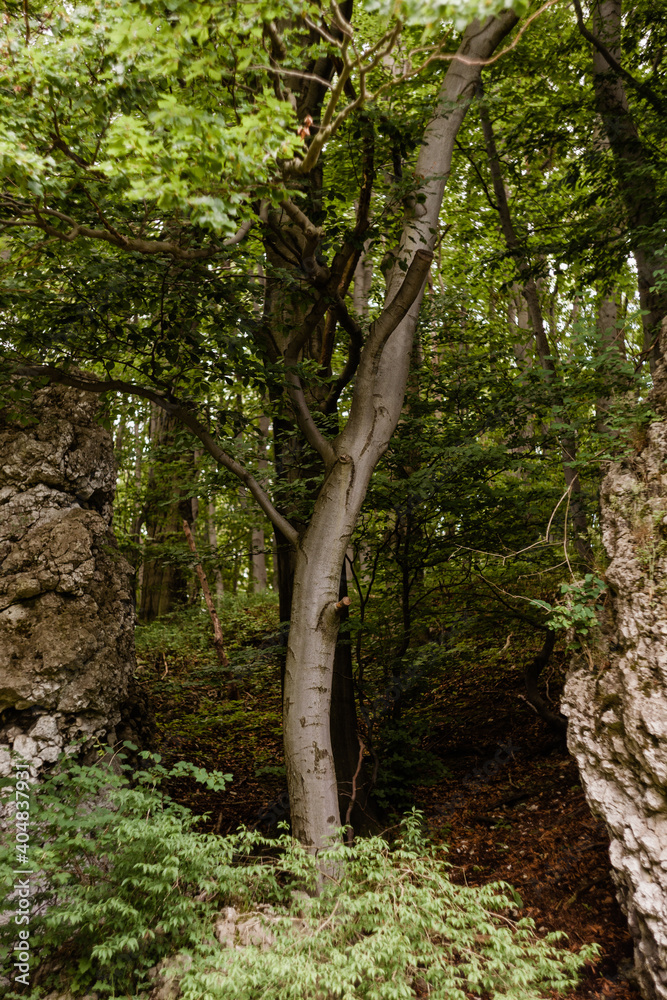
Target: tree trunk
(164, 578)
(616, 699)
(634, 171)
(212, 532)
(531, 676)
(218, 640)
(258, 542)
(375, 409)
(611, 339)
(354, 786)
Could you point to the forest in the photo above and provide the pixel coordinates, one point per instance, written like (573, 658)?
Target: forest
(333, 502)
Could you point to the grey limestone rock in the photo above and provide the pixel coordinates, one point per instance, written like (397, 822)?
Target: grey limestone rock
(616, 700)
(66, 609)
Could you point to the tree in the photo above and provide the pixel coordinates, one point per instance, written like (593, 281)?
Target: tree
(142, 167)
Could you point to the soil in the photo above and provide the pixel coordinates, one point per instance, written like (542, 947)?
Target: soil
(511, 807)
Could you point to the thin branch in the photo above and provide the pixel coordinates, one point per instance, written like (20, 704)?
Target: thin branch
(240, 233)
(517, 614)
(309, 428)
(479, 175)
(182, 413)
(353, 797)
(37, 221)
(391, 316)
(294, 72)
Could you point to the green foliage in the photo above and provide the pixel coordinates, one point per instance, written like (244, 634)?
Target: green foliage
(187, 632)
(390, 919)
(578, 608)
(104, 73)
(433, 12)
(125, 878)
(118, 868)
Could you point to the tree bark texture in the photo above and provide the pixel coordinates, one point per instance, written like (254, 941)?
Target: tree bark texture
(66, 610)
(616, 698)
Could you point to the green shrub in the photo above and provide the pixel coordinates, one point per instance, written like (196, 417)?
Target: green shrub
(124, 880)
(118, 872)
(392, 919)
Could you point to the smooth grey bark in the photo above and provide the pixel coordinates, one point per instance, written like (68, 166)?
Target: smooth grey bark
(376, 406)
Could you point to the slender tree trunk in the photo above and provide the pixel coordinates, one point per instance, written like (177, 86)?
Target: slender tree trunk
(376, 406)
(611, 340)
(218, 640)
(634, 171)
(165, 578)
(137, 519)
(212, 532)
(258, 567)
(530, 293)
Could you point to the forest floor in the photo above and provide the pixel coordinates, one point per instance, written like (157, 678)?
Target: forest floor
(507, 800)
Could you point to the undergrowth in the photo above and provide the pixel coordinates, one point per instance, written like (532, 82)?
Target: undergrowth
(123, 879)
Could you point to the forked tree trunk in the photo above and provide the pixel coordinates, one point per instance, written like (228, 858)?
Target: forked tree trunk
(616, 695)
(375, 410)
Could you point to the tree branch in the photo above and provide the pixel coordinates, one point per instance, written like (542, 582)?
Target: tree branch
(353, 358)
(641, 88)
(391, 316)
(182, 413)
(27, 215)
(304, 417)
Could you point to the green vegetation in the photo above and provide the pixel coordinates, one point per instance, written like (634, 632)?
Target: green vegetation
(126, 879)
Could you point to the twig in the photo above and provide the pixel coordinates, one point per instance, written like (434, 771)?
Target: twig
(218, 640)
(353, 797)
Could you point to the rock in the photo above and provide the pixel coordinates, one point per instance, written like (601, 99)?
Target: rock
(253, 930)
(66, 609)
(616, 698)
(241, 930)
(46, 728)
(167, 976)
(225, 927)
(25, 747)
